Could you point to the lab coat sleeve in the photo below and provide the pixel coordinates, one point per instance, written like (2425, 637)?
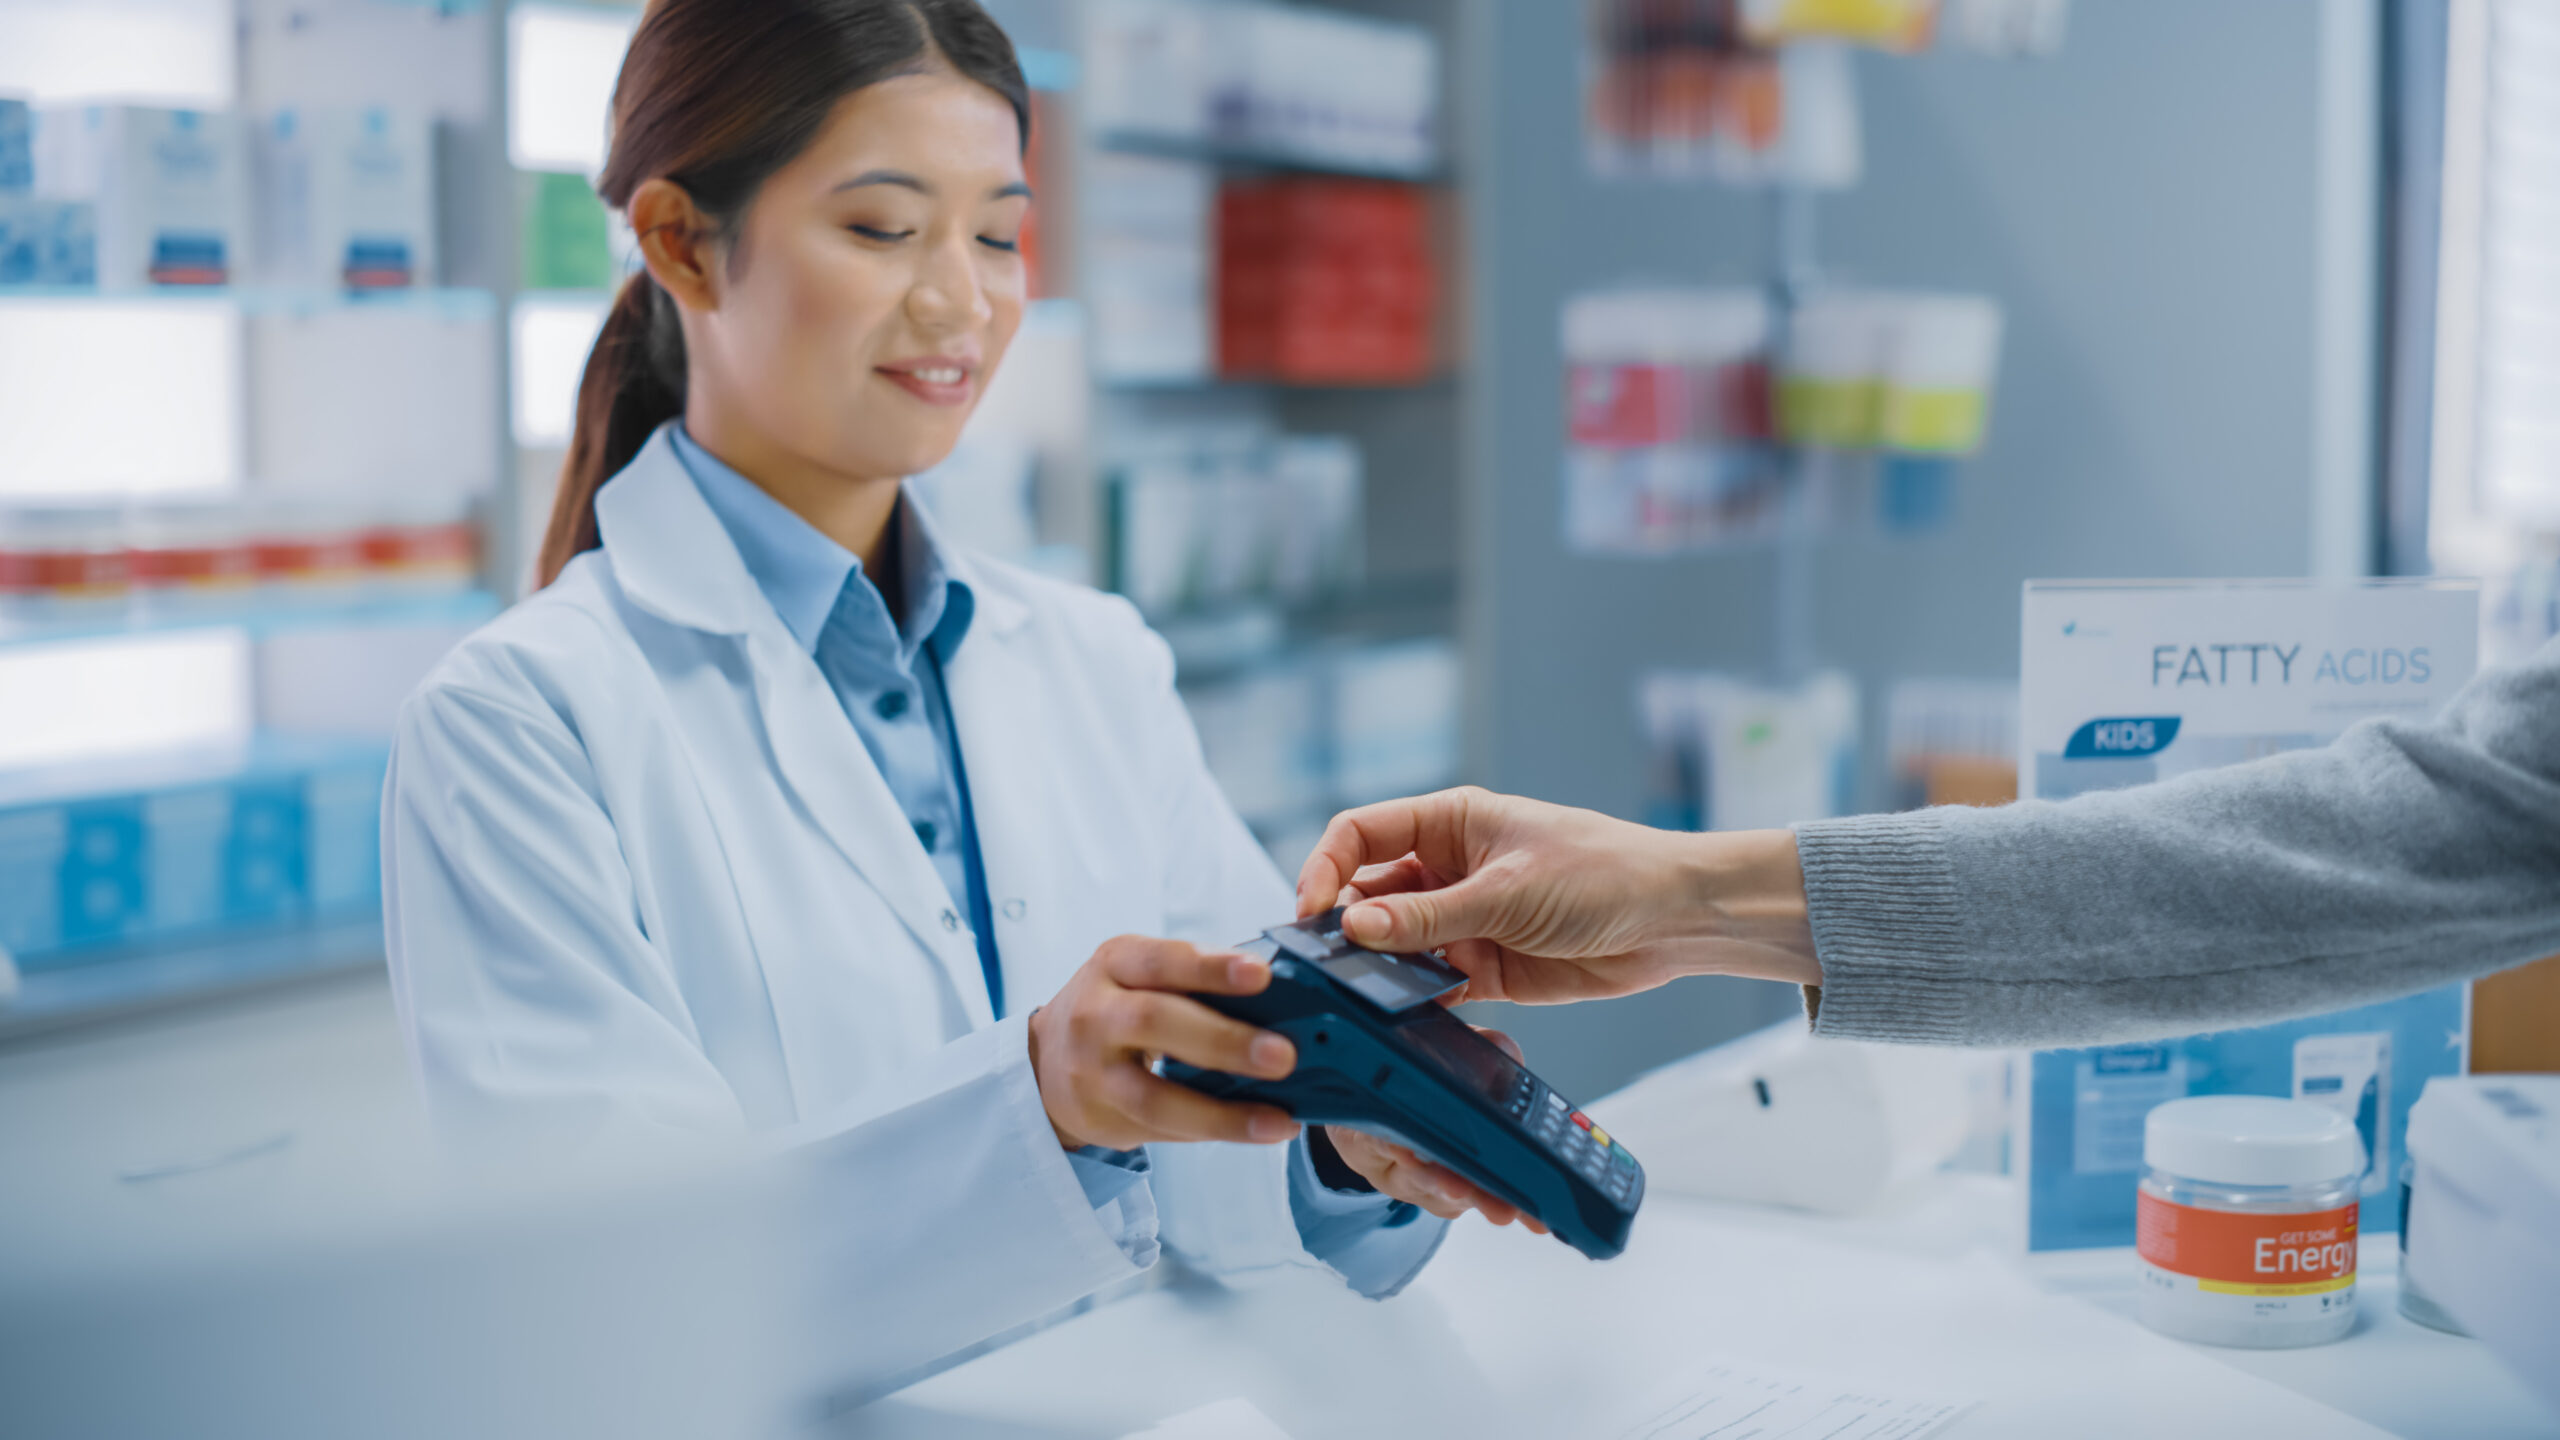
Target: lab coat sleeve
(1227, 1209)
(941, 1208)
(1374, 1243)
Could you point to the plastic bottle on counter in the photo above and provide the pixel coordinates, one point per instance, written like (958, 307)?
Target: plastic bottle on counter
(2246, 1221)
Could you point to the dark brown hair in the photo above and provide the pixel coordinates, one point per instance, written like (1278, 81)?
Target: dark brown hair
(716, 95)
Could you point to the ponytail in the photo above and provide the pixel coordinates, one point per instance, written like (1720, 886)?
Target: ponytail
(633, 384)
(716, 95)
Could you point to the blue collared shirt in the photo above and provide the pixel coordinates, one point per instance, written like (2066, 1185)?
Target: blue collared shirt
(888, 677)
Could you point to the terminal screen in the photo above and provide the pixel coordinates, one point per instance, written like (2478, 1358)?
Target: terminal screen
(1463, 1055)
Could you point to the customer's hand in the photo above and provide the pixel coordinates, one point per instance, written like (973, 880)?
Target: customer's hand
(1403, 1175)
(1093, 1043)
(1543, 905)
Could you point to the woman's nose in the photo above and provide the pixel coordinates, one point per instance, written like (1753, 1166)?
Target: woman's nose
(947, 294)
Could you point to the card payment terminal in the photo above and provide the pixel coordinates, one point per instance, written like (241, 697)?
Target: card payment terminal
(1378, 1052)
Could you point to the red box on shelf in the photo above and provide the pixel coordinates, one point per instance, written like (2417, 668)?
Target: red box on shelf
(1325, 281)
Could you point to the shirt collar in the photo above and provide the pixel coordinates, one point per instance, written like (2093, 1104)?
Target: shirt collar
(802, 572)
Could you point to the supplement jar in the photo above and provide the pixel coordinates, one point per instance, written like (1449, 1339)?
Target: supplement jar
(2246, 1221)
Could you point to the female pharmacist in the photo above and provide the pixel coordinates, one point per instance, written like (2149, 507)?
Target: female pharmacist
(774, 812)
(2400, 857)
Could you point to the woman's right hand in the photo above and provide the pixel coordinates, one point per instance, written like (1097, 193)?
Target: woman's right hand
(1544, 905)
(1093, 1043)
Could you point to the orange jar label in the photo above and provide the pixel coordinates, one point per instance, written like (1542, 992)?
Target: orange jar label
(2249, 1254)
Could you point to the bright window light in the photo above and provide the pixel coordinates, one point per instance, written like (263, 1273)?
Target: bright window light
(552, 338)
(101, 700)
(2494, 501)
(168, 52)
(560, 90)
(107, 399)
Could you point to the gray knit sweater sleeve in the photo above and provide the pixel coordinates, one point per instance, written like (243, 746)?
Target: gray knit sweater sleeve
(2400, 857)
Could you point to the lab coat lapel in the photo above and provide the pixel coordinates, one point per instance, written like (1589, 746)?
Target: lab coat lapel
(672, 557)
(1026, 822)
(825, 764)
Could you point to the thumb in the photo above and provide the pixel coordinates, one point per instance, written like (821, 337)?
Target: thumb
(1424, 919)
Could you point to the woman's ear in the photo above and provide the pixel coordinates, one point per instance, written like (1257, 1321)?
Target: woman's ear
(676, 243)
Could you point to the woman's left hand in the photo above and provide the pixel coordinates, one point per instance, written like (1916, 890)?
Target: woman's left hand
(1400, 1174)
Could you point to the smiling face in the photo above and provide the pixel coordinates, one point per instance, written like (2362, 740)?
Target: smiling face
(850, 322)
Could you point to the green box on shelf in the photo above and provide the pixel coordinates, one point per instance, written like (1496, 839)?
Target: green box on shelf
(568, 241)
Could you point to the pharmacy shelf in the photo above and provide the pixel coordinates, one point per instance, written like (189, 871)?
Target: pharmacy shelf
(127, 981)
(1251, 157)
(1186, 384)
(262, 616)
(1233, 640)
(263, 300)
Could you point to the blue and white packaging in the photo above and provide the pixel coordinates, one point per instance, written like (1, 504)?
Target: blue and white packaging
(346, 198)
(286, 833)
(2123, 684)
(43, 241)
(168, 187)
(17, 157)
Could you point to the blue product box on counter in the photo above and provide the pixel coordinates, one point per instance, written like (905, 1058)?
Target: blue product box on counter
(2086, 1107)
(282, 833)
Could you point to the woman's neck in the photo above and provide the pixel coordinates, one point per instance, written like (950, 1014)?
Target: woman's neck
(854, 513)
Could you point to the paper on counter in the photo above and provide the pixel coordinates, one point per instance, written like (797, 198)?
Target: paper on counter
(1233, 1419)
(1730, 1399)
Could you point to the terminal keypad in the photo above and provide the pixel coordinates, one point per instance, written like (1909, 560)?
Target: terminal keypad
(1571, 1134)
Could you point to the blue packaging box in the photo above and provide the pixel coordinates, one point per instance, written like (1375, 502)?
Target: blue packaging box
(284, 834)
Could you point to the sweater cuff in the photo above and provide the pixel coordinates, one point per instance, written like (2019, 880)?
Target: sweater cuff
(1881, 897)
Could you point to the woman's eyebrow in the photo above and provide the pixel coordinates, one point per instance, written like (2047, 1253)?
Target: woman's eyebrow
(898, 178)
(905, 181)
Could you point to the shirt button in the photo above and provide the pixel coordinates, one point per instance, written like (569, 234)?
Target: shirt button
(891, 705)
(925, 833)
(951, 921)
(1013, 909)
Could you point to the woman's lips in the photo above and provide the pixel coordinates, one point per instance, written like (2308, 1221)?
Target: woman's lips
(933, 382)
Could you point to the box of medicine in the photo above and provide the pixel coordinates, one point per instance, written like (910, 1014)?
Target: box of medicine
(346, 198)
(167, 187)
(17, 158)
(342, 833)
(284, 834)
(47, 242)
(101, 871)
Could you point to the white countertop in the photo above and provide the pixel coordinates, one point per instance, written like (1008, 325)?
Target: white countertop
(1507, 1334)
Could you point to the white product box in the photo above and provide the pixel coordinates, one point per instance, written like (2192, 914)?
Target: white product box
(168, 186)
(346, 197)
(1148, 272)
(1147, 68)
(1395, 719)
(2484, 1212)
(1734, 754)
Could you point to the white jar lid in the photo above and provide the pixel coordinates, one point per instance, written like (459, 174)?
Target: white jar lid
(2251, 1140)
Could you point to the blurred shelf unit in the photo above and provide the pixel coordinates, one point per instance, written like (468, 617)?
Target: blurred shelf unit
(259, 617)
(254, 256)
(1263, 224)
(263, 299)
(1233, 155)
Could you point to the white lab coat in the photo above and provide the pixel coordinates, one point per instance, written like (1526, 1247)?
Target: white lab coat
(641, 874)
